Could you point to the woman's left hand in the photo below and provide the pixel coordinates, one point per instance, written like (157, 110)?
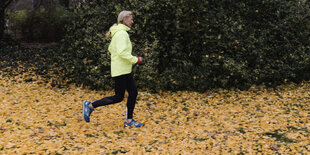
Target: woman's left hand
(139, 60)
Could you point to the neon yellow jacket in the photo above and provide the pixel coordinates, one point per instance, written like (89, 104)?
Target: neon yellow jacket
(120, 49)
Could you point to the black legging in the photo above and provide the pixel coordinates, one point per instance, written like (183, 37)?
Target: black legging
(122, 83)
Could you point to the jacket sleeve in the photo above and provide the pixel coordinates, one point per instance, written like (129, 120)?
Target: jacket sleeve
(122, 48)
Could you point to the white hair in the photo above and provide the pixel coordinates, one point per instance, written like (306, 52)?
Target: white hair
(122, 15)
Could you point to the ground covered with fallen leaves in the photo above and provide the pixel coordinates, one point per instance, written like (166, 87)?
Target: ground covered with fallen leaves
(42, 119)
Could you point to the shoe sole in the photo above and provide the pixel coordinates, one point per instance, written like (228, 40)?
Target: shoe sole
(84, 104)
(125, 125)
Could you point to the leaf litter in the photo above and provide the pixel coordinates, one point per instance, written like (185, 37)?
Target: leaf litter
(37, 117)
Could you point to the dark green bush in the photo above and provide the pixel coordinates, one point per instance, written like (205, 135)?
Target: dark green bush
(42, 26)
(195, 45)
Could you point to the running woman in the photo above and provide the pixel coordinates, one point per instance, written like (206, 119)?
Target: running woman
(121, 70)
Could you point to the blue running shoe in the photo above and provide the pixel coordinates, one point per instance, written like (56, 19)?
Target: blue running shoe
(133, 122)
(87, 111)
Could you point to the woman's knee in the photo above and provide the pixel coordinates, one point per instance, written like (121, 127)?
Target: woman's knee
(118, 98)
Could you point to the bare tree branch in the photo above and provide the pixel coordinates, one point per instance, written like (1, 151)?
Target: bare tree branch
(6, 3)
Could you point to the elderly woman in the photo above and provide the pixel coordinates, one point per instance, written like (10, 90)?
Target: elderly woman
(121, 68)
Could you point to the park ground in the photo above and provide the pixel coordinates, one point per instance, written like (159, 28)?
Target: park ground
(39, 118)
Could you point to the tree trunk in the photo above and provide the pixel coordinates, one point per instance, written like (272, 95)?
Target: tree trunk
(1, 23)
(3, 5)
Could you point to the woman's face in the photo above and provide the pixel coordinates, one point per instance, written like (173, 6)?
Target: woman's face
(128, 21)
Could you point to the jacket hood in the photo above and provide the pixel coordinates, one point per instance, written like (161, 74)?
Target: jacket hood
(117, 28)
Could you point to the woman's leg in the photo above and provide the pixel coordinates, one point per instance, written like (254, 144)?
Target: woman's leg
(131, 102)
(120, 87)
(132, 96)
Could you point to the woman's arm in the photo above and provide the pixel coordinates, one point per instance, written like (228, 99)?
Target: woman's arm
(123, 49)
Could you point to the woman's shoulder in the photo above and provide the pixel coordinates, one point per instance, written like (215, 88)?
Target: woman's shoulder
(121, 33)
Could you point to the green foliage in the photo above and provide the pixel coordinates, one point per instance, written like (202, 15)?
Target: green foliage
(194, 45)
(85, 58)
(42, 26)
